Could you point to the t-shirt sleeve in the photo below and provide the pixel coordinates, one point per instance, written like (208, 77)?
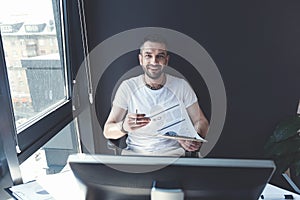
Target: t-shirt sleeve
(122, 96)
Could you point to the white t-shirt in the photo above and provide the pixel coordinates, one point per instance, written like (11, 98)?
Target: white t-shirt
(134, 95)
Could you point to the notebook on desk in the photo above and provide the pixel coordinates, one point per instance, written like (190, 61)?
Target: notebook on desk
(131, 177)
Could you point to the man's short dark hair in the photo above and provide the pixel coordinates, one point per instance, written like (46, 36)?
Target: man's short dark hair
(154, 38)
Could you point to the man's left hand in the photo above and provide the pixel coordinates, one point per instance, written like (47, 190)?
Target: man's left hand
(190, 145)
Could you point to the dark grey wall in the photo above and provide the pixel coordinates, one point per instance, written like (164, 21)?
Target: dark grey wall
(255, 44)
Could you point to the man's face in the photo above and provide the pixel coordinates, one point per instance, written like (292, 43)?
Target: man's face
(153, 58)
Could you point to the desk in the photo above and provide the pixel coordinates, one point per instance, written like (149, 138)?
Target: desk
(272, 192)
(64, 185)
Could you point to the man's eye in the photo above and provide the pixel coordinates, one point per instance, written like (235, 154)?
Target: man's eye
(148, 56)
(160, 56)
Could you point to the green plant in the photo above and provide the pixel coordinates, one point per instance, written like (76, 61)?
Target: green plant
(283, 146)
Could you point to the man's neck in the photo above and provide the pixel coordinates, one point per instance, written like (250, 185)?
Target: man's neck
(155, 83)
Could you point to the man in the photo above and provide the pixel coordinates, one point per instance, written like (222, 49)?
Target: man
(137, 97)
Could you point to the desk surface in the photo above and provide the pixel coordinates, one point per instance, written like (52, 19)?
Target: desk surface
(58, 185)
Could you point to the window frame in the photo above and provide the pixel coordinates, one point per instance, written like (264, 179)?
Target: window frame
(33, 137)
(7, 127)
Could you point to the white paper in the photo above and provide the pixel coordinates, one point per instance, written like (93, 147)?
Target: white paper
(171, 121)
(62, 186)
(30, 191)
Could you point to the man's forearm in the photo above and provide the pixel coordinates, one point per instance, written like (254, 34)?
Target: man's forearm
(114, 130)
(201, 127)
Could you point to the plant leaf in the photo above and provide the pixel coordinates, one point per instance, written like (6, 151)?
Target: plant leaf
(286, 147)
(283, 146)
(283, 163)
(287, 129)
(297, 166)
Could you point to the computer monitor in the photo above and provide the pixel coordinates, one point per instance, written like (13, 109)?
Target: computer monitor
(132, 177)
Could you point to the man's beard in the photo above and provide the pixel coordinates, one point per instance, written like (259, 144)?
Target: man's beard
(153, 75)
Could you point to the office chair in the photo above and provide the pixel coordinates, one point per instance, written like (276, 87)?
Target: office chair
(117, 145)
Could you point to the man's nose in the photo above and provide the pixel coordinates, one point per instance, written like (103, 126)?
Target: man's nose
(154, 60)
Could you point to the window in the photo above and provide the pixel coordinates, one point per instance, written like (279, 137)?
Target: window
(43, 84)
(38, 91)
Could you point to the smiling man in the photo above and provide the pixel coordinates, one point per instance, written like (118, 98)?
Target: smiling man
(138, 97)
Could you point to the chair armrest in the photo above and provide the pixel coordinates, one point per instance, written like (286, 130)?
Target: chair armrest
(117, 145)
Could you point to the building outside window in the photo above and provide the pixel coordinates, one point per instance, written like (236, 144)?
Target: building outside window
(42, 71)
(32, 39)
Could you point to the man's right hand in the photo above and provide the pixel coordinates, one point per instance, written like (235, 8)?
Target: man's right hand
(134, 121)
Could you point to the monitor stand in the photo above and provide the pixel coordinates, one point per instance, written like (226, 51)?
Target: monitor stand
(165, 193)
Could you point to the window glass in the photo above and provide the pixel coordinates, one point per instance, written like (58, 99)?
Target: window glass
(33, 54)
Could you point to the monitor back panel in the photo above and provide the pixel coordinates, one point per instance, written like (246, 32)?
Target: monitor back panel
(205, 180)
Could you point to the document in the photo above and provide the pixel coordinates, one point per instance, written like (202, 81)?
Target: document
(173, 122)
(30, 191)
(60, 186)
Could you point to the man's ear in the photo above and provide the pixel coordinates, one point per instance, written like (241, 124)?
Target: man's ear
(141, 59)
(167, 59)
